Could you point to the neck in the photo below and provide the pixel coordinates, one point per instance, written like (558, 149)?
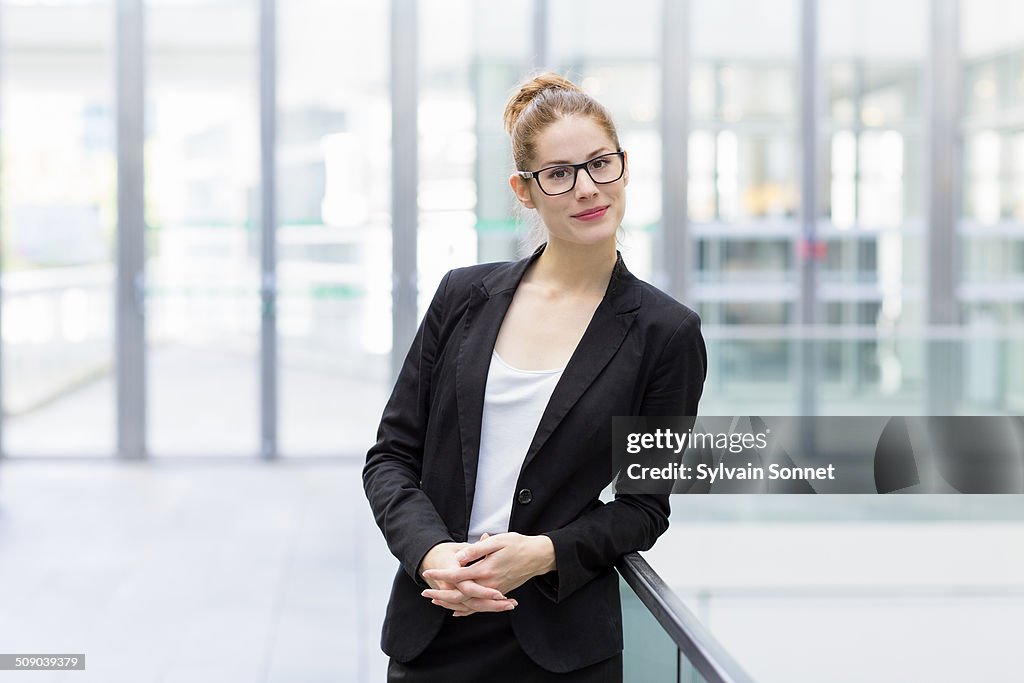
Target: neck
(574, 268)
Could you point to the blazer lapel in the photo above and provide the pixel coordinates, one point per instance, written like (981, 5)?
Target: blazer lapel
(602, 338)
(489, 301)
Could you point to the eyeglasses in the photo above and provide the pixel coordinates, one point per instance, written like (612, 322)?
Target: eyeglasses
(555, 180)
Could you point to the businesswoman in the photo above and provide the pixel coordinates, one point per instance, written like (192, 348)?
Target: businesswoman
(496, 442)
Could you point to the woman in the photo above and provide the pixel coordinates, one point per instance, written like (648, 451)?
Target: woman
(496, 442)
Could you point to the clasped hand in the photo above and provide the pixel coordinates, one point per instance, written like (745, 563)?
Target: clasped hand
(475, 577)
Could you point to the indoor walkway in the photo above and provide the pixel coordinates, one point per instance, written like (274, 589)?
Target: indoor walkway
(216, 570)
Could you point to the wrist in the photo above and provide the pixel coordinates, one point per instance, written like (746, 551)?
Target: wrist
(545, 554)
(427, 561)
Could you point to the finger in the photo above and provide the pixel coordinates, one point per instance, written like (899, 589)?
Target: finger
(452, 575)
(475, 589)
(463, 591)
(451, 596)
(459, 592)
(478, 605)
(479, 549)
(456, 607)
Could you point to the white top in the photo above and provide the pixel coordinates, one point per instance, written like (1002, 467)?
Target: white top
(514, 401)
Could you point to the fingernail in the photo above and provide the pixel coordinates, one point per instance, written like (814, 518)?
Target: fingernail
(511, 606)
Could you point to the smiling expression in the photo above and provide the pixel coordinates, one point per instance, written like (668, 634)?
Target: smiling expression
(589, 213)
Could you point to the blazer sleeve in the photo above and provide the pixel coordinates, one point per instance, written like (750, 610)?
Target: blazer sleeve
(591, 544)
(391, 476)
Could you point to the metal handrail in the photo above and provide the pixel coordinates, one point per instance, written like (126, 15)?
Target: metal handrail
(695, 642)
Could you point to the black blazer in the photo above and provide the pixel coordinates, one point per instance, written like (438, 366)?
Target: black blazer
(642, 354)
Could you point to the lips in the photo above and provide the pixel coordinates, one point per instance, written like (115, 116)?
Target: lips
(596, 212)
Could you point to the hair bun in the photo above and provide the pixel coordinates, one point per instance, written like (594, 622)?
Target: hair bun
(529, 90)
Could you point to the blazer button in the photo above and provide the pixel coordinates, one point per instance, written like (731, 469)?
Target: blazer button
(525, 496)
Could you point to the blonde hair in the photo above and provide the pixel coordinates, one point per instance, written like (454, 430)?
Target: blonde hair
(535, 105)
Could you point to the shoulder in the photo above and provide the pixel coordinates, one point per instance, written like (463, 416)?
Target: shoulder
(460, 279)
(453, 291)
(672, 338)
(661, 311)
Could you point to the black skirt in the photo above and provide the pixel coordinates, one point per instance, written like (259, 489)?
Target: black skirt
(483, 647)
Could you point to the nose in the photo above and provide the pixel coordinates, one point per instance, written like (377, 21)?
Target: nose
(585, 185)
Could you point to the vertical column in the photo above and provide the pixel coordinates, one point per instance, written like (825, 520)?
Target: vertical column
(539, 29)
(673, 263)
(268, 230)
(404, 173)
(131, 290)
(944, 96)
(809, 161)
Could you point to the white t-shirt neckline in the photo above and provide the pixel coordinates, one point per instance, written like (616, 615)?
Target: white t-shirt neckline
(527, 372)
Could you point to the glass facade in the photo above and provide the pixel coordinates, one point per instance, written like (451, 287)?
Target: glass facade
(747, 236)
(872, 277)
(333, 233)
(58, 217)
(743, 187)
(991, 224)
(202, 227)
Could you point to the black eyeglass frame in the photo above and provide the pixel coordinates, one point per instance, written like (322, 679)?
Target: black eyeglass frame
(526, 175)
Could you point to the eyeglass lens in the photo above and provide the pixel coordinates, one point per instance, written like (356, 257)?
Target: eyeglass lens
(602, 169)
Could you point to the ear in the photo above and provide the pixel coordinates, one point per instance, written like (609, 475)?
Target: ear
(625, 168)
(522, 190)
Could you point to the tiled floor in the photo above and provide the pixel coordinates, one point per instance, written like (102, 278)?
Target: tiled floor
(846, 589)
(246, 572)
(192, 572)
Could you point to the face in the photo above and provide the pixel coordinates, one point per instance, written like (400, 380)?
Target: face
(574, 140)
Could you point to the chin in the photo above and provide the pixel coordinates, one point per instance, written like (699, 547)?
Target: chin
(587, 234)
(591, 237)
(596, 234)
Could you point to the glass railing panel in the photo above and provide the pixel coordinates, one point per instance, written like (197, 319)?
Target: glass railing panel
(663, 639)
(649, 654)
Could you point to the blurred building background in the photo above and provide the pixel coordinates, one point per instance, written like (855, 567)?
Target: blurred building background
(220, 221)
(889, 278)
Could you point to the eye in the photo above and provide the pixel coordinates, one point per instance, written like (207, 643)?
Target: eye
(559, 173)
(598, 163)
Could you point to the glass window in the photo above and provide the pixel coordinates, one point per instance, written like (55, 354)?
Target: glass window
(991, 235)
(501, 36)
(333, 235)
(203, 233)
(743, 260)
(743, 195)
(59, 214)
(447, 142)
(873, 59)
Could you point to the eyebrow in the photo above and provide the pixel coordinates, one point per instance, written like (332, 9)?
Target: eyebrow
(593, 154)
